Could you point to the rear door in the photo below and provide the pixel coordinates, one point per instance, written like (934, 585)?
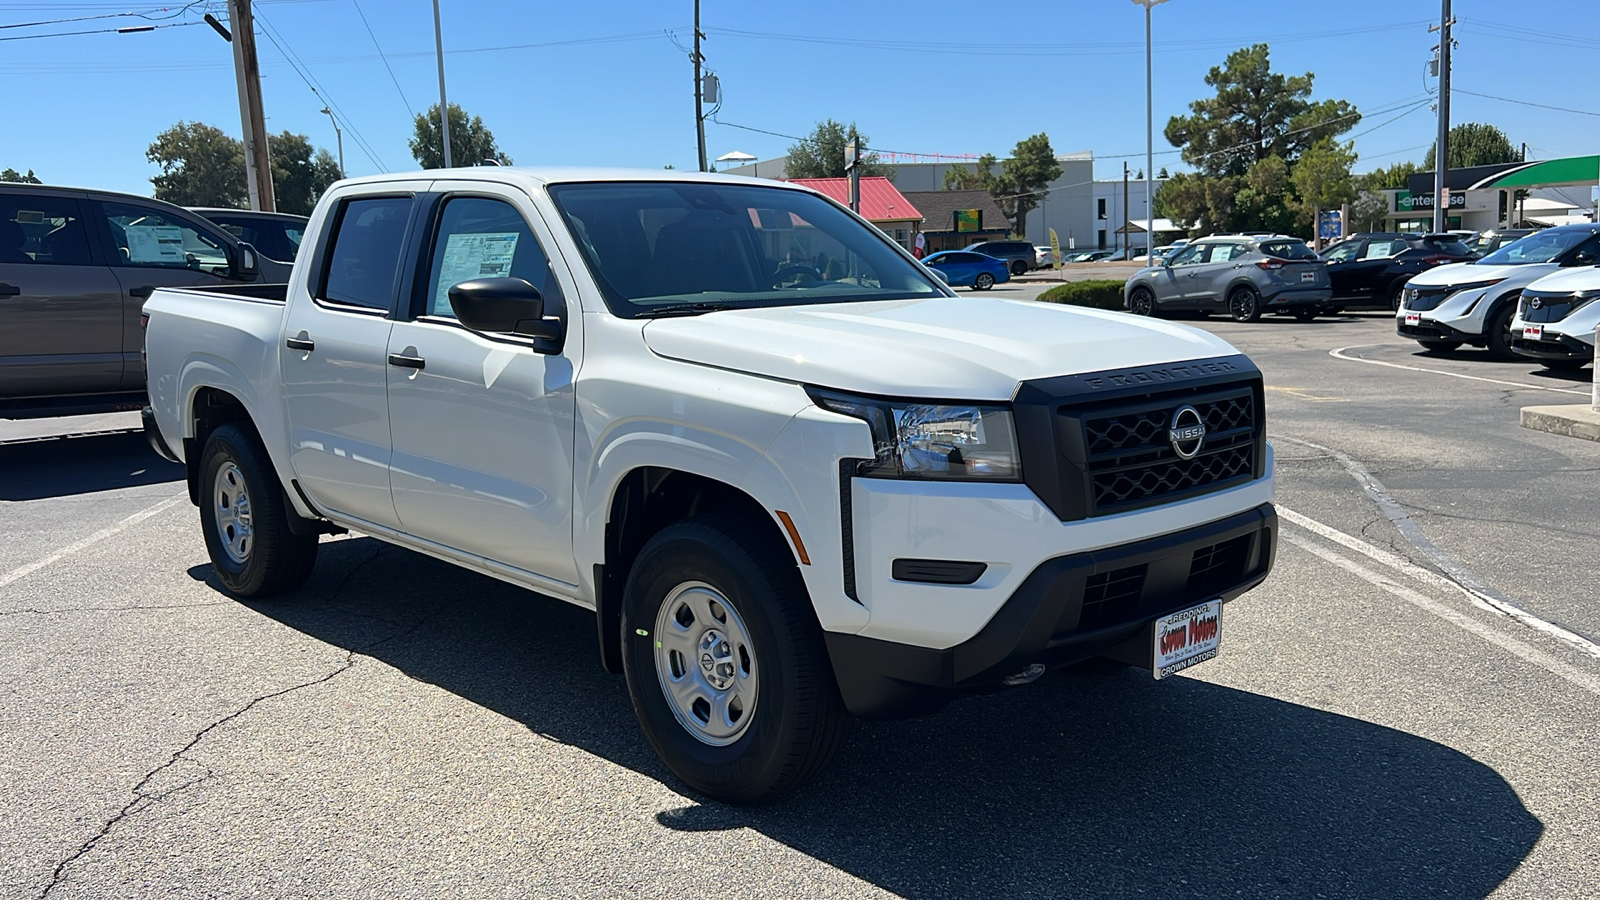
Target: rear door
(61, 309)
(334, 355)
(1209, 286)
(151, 246)
(483, 424)
(1369, 274)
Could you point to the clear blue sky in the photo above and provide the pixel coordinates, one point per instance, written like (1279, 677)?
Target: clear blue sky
(601, 82)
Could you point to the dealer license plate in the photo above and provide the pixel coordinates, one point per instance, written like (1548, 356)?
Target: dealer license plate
(1533, 332)
(1308, 277)
(1186, 638)
(1413, 318)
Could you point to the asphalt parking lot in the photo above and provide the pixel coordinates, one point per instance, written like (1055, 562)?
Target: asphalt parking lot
(1408, 707)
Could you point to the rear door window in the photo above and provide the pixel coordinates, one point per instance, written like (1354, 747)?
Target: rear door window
(1377, 249)
(38, 230)
(364, 258)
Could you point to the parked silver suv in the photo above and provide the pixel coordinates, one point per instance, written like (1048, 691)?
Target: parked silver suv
(1242, 275)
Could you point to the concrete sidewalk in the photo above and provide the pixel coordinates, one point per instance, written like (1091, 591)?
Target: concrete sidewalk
(1579, 420)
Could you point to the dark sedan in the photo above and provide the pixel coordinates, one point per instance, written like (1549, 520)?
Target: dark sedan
(1369, 271)
(967, 269)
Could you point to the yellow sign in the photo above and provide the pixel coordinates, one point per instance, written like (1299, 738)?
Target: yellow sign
(1055, 250)
(968, 220)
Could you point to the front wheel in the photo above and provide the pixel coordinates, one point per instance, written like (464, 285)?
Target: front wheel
(1244, 305)
(1141, 302)
(983, 282)
(1439, 346)
(245, 518)
(725, 661)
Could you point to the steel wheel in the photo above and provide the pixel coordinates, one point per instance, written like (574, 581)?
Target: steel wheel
(706, 663)
(231, 498)
(1141, 302)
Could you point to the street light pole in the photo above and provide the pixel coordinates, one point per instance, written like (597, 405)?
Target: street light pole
(337, 136)
(1149, 133)
(444, 107)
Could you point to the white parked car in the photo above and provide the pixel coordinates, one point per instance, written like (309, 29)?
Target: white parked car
(1474, 303)
(795, 477)
(1556, 319)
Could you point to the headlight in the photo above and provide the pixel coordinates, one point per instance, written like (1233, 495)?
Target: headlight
(944, 441)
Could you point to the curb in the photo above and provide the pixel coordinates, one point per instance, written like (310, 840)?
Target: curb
(1578, 420)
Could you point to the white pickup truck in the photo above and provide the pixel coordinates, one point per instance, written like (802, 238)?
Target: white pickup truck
(794, 475)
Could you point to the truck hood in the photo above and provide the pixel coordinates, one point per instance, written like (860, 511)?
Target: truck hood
(1468, 273)
(964, 348)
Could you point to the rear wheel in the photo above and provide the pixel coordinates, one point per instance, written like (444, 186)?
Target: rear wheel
(1439, 346)
(1497, 331)
(245, 518)
(725, 661)
(1563, 365)
(1141, 302)
(983, 282)
(1244, 305)
(1018, 267)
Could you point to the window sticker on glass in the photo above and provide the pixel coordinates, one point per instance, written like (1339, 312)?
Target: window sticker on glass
(469, 256)
(159, 244)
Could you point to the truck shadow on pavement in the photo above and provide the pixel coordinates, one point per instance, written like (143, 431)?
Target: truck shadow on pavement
(1073, 786)
(39, 468)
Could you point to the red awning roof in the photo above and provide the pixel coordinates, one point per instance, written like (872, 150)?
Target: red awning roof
(880, 202)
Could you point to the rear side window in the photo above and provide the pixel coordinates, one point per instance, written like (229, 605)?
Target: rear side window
(1224, 252)
(42, 231)
(365, 256)
(1292, 250)
(1377, 249)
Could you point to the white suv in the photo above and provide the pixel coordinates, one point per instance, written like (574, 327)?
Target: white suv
(1556, 319)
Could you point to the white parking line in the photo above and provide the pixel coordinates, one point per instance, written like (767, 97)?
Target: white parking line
(98, 536)
(1510, 644)
(1339, 353)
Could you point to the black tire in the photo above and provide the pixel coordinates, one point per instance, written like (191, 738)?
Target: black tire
(1141, 302)
(1440, 346)
(796, 724)
(1564, 365)
(1018, 267)
(1397, 296)
(1497, 331)
(253, 552)
(983, 282)
(1244, 305)
(1305, 313)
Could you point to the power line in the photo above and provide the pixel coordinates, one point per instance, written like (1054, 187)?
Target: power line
(126, 29)
(357, 5)
(361, 142)
(117, 15)
(1579, 112)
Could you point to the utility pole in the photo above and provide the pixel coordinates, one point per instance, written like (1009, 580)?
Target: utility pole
(444, 107)
(257, 161)
(1441, 167)
(699, 106)
(852, 166)
(1127, 215)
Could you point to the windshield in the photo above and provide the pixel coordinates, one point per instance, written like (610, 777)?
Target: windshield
(692, 246)
(1539, 247)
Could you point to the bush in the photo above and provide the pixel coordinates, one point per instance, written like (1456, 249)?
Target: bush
(1101, 293)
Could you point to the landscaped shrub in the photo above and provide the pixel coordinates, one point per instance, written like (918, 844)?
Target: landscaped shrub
(1103, 293)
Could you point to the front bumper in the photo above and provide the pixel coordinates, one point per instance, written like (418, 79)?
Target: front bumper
(1555, 346)
(1429, 330)
(1068, 609)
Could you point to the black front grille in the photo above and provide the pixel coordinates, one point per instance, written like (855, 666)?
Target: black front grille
(1132, 461)
(1551, 309)
(1424, 299)
(1111, 597)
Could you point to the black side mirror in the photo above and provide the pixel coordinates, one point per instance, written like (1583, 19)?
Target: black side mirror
(503, 306)
(248, 267)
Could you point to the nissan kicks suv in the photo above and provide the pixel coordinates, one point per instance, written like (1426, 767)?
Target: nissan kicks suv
(1242, 275)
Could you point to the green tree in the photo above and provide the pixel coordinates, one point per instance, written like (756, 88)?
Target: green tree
(1475, 144)
(1392, 178)
(821, 154)
(300, 172)
(980, 178)
(1256, 113)
(14, 175)
(471, 142)
(1322, 178)
(1264, 202)
(1031, 167)
(200, 166)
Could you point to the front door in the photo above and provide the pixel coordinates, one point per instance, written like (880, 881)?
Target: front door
(1342, 272)
(1173, 282)
(334, 355)
(483, 425)
(61, 312)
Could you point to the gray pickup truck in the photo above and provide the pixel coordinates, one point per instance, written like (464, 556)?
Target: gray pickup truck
(75, 269)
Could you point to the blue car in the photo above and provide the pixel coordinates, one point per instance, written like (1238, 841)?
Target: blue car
(967, 269)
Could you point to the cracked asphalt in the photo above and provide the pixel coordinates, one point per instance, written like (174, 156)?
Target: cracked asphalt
(400, 728)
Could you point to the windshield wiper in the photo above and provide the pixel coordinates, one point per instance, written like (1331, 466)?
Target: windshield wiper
(682, 309)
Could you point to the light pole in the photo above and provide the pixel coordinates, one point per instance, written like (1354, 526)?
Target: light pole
(337, 136)
(1149, 133)
(444, 108)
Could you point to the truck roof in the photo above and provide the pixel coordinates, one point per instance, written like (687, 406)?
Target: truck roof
(535, 176)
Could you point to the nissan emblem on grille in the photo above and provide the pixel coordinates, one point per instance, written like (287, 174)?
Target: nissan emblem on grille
(1188, 432)
(1536, 303)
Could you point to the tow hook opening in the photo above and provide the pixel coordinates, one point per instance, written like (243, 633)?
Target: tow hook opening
(1031, 673)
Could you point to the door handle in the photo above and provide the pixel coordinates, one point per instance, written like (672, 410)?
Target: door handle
(305, 344)
(407, 362)
(140, 293)
(9, 290)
